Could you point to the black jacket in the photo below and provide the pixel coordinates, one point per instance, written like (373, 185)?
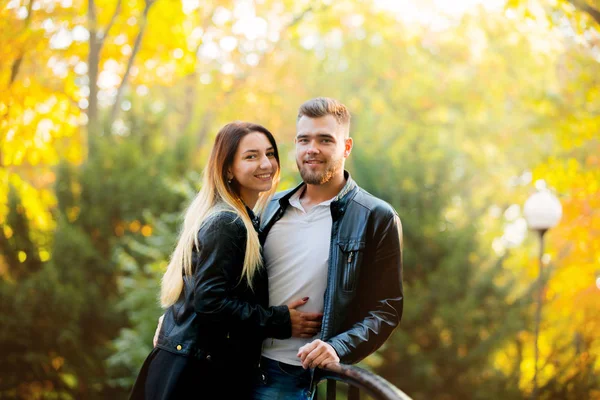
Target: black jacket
(218, 318)
(364, 297)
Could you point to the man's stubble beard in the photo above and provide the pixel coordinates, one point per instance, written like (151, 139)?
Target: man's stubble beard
(320, 178)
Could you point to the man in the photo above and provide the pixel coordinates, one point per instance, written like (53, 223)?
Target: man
(331, 241)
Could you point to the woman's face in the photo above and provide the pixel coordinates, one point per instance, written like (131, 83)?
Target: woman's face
(254, 166)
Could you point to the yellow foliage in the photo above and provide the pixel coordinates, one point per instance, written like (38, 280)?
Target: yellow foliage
(146, 230)
(44, 255)
(73, 213)
(8, 232)
(135, 226)
(57, 362)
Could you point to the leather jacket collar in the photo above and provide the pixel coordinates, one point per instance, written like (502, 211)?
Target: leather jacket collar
(255, 220)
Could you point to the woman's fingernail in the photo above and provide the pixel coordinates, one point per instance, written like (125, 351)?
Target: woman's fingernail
(305, 298)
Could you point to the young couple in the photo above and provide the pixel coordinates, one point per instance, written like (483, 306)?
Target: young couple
(255, 302)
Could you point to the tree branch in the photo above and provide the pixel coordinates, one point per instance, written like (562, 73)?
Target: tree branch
(136, 47)
(294, 21)
(110, 24)
(191, 80)
(16, 65)
(210, 114)
(591, 11)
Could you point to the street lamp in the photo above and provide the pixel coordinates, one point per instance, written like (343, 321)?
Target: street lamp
(542, 211)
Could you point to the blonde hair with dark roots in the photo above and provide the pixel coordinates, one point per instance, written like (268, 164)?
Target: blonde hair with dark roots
(322, 106)
(217, 195)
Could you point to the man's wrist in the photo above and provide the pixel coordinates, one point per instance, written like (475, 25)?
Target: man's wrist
(340, 349)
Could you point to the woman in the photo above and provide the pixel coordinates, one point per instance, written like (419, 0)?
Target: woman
(215, 287)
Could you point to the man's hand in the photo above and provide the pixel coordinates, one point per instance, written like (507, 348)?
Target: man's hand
(317, 354)
(304, 325)
(160, 320)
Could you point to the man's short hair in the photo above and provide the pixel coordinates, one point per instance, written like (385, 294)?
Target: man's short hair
(322, 106)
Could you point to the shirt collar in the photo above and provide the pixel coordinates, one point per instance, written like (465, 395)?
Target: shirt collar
(338, 201)
(349, 185)
(295, 198)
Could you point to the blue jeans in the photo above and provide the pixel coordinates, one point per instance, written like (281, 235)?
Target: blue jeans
(280, 381)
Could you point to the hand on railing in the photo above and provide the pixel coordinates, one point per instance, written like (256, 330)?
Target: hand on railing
(317, 354)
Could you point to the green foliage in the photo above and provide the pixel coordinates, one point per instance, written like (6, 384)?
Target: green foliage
(456, 316)
(64, 314)
(447, 115)
(143, 261)
(18, 246)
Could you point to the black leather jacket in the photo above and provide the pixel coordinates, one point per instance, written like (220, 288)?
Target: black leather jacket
(364, 297)
(218, 318)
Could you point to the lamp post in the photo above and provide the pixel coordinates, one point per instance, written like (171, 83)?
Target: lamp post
(542, 211)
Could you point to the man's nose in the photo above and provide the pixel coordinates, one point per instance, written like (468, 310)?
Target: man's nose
(312, 149)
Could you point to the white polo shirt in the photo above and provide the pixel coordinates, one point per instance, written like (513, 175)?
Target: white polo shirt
(296, 254)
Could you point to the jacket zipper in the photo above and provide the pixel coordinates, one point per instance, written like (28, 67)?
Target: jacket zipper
(329, 272)
(347, 270)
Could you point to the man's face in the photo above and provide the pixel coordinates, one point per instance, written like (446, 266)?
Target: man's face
(321, 148)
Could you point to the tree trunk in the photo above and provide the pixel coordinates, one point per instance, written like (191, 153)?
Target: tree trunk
(188, 101)
(93, 66)
(96, 44)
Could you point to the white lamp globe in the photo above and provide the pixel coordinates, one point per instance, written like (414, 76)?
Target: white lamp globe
(542, 211)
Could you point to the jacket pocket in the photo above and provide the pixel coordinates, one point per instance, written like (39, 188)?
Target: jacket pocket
(351, 255)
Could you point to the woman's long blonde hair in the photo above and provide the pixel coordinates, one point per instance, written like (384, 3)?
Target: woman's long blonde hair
(217, 194)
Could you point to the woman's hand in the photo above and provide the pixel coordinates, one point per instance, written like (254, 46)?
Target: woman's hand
(304, 325)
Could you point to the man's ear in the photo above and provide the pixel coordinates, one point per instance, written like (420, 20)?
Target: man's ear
(348, 143)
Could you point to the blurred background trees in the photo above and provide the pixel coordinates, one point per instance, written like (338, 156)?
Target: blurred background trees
(108, 109)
